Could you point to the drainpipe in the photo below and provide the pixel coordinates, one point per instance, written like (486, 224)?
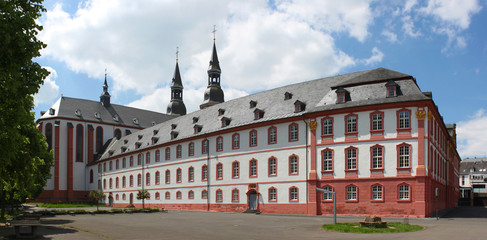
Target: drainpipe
(307, 164)
(207, 173)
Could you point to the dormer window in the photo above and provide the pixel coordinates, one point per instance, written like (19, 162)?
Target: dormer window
(221, 111)
(115, 118)
(288, 95)
(226, 121)
(258, 114)
(392, 89)
(125, 141)
(342, 95)
(173, 126)
(195, 119)
(137, 145)
(155, 132)
(174, 134)
(299, 106)
(52, 111)
(253, 104)
(97, 115)
(154, 140)
(77, 112)
(153, 123)
(140, 136)
(135, 121)
(123, 149)
(197, 128)
(110, 153)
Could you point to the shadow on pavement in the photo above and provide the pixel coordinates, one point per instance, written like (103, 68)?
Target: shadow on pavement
(467, 212)
(48, 228)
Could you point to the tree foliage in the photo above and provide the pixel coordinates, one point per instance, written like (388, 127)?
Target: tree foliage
(25, 161)
(96, 196)
(143, 194)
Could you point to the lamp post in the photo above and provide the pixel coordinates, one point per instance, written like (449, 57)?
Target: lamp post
(334, 203)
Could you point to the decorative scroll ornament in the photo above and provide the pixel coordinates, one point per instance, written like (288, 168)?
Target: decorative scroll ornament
(312, 125)
(421, 114)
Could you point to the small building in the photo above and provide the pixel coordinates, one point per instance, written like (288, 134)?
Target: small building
(473, 182)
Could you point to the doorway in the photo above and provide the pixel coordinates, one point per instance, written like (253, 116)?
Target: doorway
(252, 205)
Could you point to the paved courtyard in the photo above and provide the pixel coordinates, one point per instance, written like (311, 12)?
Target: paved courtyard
(461, 223)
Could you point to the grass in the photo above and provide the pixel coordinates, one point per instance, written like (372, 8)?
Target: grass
(354, 227)
(65, 205)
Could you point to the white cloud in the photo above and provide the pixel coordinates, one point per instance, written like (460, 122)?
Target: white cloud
(390, 36)
(471, 134)
(49, 90)
(454, 12)
(408, 27)
(259, 46)
(376, 57)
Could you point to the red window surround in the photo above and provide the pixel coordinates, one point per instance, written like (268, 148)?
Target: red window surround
(375, 167)
(403, 129)
(272, 166)
(293, 132)
(253, 138)
(402, 157)
(272, 135)
(351, 160)
(377, 123)
(327, 155)
(327, 132)
(293, 165)
(253, 168)
(351, 125)
(235, 141)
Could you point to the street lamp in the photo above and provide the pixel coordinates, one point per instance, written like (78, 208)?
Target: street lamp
(334, 203)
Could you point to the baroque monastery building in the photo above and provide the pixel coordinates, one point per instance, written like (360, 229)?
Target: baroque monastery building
(372, 137)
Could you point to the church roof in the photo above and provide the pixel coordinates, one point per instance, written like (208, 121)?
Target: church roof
(318, 95)
(87, 110)
(214, 63)
(176, 79)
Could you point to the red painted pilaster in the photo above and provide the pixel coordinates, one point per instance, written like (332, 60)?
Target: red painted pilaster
(313, 204)
(420, 115)
(70, 161)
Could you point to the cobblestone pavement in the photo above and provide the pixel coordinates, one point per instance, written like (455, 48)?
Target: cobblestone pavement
(460, 223)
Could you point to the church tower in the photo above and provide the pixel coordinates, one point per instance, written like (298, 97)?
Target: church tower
(176, 106)
(105, 96)
(214, 92)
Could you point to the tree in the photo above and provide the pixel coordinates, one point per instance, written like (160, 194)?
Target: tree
(96, 196)
(25, 161)
(143, 194)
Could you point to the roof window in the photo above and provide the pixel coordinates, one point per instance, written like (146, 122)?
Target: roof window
(299, 106)
(174, 134)
(393, 89)
(52, 111)
(253, 104)
(343, 95)
(77, 112)
(195, 119)
(97, 115)
(226, 121)
(221, 111)
(197, 128)
(288, 95)
(258, 114)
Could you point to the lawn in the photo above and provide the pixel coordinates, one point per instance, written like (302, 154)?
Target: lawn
(354, 227)
(65, 205)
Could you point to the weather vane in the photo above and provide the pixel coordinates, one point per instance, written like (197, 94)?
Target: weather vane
(214, 31)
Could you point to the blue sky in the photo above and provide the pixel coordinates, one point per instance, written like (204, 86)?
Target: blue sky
(266, 44)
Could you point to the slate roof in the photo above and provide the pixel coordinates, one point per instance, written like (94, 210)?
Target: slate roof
(66, 107)
(473, 163)
(317, 95)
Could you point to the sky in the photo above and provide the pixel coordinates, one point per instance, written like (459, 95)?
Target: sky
(266, 44)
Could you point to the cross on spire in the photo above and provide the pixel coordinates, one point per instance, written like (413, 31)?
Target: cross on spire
(214, 31)
(177, 53)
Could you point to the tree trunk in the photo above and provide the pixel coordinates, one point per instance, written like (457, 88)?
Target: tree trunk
(2, 204)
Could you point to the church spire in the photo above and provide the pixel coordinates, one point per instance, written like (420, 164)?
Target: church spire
(176, 106)
(105, 96)
(213, 93)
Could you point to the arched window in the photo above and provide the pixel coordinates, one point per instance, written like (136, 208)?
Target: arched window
(191, 194)
(158, 178)
(79, 143)
(235, 195)
(272, 166)
(253, 138)
(158, 155)
(147, 158)
(179, 151)
(91, 176)
(147, 179)
(117, 182)
(253, 168)
(272, 135)
(124, 180)
(179, 176)
(191, 149)
(219, 171)
(111, 183)
(236, 141)
(168, 195)
(190, 174)
(179, 195)
(117, 133)
(219, 195)
(139, 179)
(293, 194)
(293, 132)
(49, 136)
(204, 194)
(204, 173)
(272, 194)
(204, 147)
(99, 139)
(168, 176)
(131, 180)
(158, 195)
(235, 169)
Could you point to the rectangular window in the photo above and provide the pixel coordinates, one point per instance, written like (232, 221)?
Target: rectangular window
(191, 149)
(204, 173)
(376, 121)
(377, 157)
(253, 168)
(272, 167)
(326, 195)
(293, 165)
(272, 194)
(377, 192)
(293, 194)
(158, 156)
(253, 138)
(191, 174)
(404, 156)
(352, 159)
(204, 147)
(327, 126)
(404, 192)
(327, 157)
(168, 153)
(236, 141)
(272, 135)
(293, 132)
(219, 144)
(219, 171)
(404, 119)
(351, 124)
(351, 193)
(235, 169)
(179, 151)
